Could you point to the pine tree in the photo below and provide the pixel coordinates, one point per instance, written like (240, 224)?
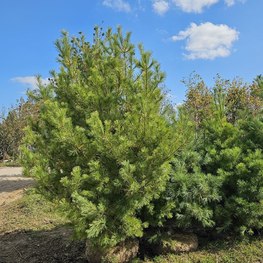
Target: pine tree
(102, 142)
(224, 162)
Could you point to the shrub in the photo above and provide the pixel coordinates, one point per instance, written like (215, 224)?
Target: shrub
(228, 152)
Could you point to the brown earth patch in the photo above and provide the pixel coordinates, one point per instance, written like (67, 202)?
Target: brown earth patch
(31, 229)
(53, 246)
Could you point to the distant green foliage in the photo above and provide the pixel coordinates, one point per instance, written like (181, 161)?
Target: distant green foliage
(12, 127)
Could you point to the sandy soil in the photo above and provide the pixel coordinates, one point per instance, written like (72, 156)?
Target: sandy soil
(12, 184)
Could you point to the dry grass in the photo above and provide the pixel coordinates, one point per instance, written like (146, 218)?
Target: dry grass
(231, 251)
(31, 212)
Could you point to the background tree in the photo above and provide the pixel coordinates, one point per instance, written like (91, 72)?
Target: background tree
(198, 99)
(12, 128)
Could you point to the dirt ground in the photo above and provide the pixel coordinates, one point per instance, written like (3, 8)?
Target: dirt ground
(53, 246)
(32, 246)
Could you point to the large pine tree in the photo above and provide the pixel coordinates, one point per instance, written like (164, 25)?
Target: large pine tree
(102, 143)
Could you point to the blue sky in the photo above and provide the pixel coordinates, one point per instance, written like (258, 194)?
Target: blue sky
(206, 36)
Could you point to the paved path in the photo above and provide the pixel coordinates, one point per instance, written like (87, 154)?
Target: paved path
(12, 184)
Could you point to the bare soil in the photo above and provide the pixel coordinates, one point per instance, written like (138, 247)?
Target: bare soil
(50, 246)
(18, 245)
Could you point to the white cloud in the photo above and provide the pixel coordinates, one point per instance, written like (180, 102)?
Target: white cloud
(160, 6)
(30, 81)
(118, 5)
(232, 2)
(207, 40)
(195, 6)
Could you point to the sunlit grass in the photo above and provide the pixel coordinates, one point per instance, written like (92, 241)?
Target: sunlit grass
(31, 212)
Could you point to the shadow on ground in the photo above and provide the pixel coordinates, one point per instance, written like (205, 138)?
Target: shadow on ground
(53, 246)
(13, 185)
